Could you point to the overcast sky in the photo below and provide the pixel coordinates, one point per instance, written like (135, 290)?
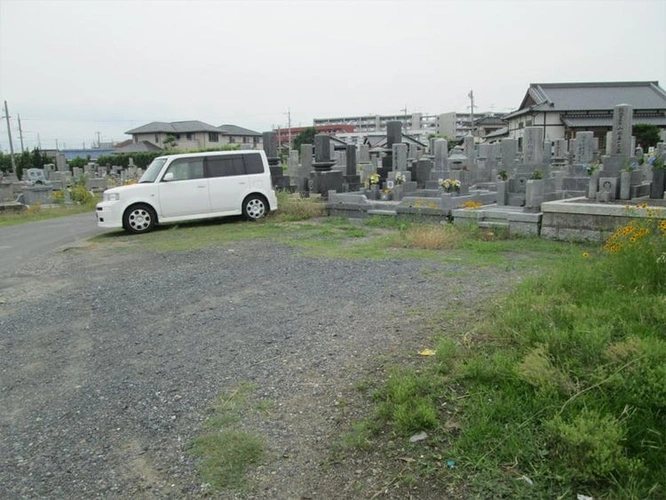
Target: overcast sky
(71, 69)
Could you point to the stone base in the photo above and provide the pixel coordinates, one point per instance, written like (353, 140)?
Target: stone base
(323, 182)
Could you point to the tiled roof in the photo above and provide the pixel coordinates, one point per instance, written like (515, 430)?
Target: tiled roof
(184, 127)
(591, 96)
(140, 146)
(236, 130)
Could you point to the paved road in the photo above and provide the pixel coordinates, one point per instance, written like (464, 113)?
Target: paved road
(26, 241)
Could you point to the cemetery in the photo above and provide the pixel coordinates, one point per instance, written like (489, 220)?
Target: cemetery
(53, 184)
(561, 189)
(558, 189)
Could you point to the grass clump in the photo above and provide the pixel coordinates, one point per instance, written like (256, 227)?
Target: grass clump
(432, 236)
(292, 207)
(563, 383)
(407, 402)
(226, 455)
(225, 451)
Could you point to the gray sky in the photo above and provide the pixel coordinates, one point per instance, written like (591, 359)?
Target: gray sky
(71, 69)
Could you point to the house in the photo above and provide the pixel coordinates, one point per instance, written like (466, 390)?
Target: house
(194, 134)
(563, 109)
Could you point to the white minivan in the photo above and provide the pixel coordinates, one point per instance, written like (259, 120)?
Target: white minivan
(186, 187)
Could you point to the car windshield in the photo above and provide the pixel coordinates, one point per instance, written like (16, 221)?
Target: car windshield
(153, 170)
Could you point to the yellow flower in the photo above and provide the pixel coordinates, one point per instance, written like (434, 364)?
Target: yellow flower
(586, 255)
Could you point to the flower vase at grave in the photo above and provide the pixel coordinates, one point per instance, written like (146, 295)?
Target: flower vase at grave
(374, 192)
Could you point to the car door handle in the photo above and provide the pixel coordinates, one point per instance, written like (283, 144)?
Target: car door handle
(201, 187)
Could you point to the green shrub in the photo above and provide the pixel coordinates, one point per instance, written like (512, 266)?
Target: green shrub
(79, 194)
(590, 446)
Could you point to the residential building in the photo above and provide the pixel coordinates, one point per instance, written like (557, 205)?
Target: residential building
(285, 135)
(194, 134)
(563, 109)
(417, 125)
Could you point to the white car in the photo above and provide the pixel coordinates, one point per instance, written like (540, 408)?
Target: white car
(192, 186)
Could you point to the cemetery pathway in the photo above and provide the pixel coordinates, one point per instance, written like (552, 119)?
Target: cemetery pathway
(23, 242)
(112, 360)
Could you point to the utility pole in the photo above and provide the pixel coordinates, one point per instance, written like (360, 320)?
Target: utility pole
(11, 144)
(471, 112)
(99, 140)
(39, 142)
(20, 133)
(289, 129)
(57, 149)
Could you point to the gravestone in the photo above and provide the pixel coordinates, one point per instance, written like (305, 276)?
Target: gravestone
(509, 152)
(351, 179)
(323, 178)
(364, 153)
(270, 146)
(622, 124)
(304, 169)
(483, 151)
(533, 146)
(468, 150)
(560, 149)
(621, 140)
(547, 151)
(393, 133)
(584, 153)
(441, 154)
(48, 170)
(399, 155)
(61, 162)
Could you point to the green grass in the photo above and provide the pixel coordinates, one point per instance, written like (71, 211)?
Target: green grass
(37, 213)
(226, 455)
(226, 452)
(563, 383)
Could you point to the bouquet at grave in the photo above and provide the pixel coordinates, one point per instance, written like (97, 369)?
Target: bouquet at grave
(399, 178)
(592, 168)
(657, 162)
(373, 179)
(450, 185)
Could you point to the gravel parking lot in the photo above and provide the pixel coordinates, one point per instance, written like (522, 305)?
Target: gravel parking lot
(111, 359)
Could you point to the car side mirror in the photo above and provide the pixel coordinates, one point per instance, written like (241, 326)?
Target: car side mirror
(168, 177)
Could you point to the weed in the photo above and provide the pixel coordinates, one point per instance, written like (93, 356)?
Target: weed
(432, 237)
(226, 452)
(226, 455)
(291, 207)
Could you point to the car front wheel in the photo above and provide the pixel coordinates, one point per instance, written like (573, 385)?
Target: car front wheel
(139, 219)
(255, 207)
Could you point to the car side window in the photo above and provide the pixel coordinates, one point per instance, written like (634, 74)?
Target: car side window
(254, 164)
(184, 169)
(224, 166)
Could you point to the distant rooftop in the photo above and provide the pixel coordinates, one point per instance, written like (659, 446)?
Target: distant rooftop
(591, 96)
(190, 126)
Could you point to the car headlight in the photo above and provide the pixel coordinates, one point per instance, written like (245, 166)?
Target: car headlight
(111, 196)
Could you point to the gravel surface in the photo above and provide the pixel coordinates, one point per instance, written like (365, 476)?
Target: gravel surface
(111, 360)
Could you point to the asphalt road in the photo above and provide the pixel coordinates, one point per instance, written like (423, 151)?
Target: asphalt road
(27, 241)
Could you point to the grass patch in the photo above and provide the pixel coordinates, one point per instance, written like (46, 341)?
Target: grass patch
(564, 383)
(292, 207)
(37, 213)
(226, 455)
(226, 452)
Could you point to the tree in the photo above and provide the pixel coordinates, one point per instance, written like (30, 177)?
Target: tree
(169, 142)
(305, 137)
(646, 135)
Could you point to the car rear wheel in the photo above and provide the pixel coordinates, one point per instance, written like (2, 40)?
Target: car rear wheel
(139, 219)
(255, 207)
